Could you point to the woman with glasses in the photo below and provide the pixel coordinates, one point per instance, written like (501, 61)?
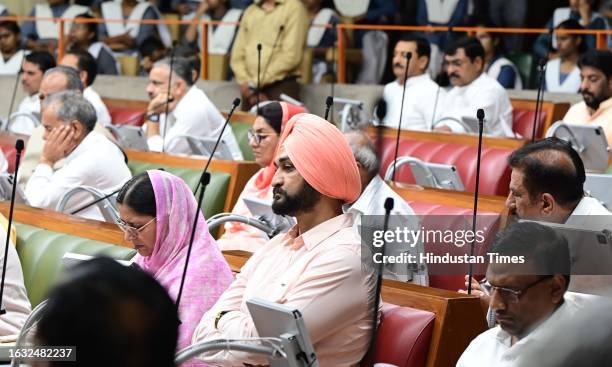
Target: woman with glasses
(263, 138)
(157, 210)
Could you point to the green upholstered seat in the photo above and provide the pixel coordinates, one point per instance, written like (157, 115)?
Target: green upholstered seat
(41, 252)
(216, 191)
(525, 65)
(240, 130)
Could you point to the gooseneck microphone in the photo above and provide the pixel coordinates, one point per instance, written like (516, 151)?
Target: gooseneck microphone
(399, 123)
(539, 98)
(278, 34)
(19, 148)
(204, 181)
(388, 207)
(329, 101)
(169, 99)
(258, 75)
(480, 115)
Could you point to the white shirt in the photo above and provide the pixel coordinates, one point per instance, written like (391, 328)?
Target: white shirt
(96, 162)
(423, 99)
(493, 347)
(591, 215)
(21, 124)
(571, 83)
(102, 113)
(15, 299)
(371, 203)
(486, 93)
(193, 115)
(13, 64)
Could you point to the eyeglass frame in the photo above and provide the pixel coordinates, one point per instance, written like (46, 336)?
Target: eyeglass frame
(130, 230)
(252, 134)
(515, 293)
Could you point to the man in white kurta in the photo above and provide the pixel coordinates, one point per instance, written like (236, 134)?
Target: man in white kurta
(423, 98)
(473, 89)
(190, 112)
(90, 158)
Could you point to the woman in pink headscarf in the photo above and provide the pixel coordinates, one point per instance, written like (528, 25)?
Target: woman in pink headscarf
(263, 138)
(157, 210)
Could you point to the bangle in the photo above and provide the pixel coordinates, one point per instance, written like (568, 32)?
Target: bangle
(153, 117)
(219, 316)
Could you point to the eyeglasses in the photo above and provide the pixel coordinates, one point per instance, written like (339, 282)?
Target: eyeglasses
(251, 134)
(514, 295)
(130, 230)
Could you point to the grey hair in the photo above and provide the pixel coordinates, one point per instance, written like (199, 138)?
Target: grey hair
(72, 76)
(365, 152)
(181, 68)
(72, 106)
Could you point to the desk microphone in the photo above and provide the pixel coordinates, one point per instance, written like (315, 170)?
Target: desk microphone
(278, 34)
(399, 124)
(540, 97)
(204, 181)
(19, 144)
(258, 75)
(329, 101)
(480, 115)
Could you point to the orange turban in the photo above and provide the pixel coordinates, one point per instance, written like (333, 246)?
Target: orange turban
(322, 156)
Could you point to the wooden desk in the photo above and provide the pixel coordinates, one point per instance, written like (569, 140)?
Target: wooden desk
(240, 171)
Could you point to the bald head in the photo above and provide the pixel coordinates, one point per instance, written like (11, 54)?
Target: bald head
(59, 79)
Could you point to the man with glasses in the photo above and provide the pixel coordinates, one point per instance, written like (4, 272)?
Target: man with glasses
(528, 296)
(473, 89)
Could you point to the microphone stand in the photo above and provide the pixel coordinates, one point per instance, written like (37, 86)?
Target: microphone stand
(204, 181)
(388, 207)
(94, 202)
(329, 101)
(19, 147)
(333, 82)
(258, 75)
(480, 115)
(169, 99)
(539, 98)
(280, 31)
(399, 124)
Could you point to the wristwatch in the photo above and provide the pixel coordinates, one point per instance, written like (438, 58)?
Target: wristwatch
(219, 316)
(154, 117)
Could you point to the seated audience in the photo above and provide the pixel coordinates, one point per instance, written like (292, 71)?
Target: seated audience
(316, 267)
(34, 67)
(562, 73)
(15, 299)
(151, 51)
(11, 55)
(157, 210)
(263, 138)
(57, 79)
(473, 89)
(103, 303)
(320, 38)
(87, 67)
(84, 36)
(42, 34)
(369, 209)
(424, 98)
(90, 158)
(528, 299)
(497, 66)
(596, 89)
(579, 10)
(281, 28)
(128, 37)
(220, 37)
(441, 13)
(190, 111)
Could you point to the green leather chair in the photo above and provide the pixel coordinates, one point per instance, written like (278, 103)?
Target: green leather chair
(525, 64)
(240, 130)
(41, 252)
(216, 191)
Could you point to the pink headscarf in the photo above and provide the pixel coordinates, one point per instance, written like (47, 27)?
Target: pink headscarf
(208, 274)
(321, 154)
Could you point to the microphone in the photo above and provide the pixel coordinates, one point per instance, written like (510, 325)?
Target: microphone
(329, 101)
(334, 24)
(204, 181)
(381, 110)
(480, 115)
(540, 97)
(94, 202)
(433, 115)
(19, 144)
(258, 75)
(278, 34)
(399, 124)
(169, 99)
(388, 207)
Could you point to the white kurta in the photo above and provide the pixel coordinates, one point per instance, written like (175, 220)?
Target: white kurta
(13, 64)
(102, 113)
(96, 162)
(571, 84)
(423, 99)
(194, 115)
(486, 93)
(15, 299)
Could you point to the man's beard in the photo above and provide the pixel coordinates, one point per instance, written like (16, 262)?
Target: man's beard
(303, 201)
(591, 100)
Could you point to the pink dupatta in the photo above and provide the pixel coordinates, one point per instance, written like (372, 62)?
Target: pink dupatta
(208, 274)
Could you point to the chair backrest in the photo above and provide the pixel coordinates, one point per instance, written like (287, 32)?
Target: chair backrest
(126, 115)
(403, 337)
(240, 130)
(522, 123)
(524, 64)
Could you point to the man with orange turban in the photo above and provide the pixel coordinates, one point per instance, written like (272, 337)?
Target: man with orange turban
(315, 267)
